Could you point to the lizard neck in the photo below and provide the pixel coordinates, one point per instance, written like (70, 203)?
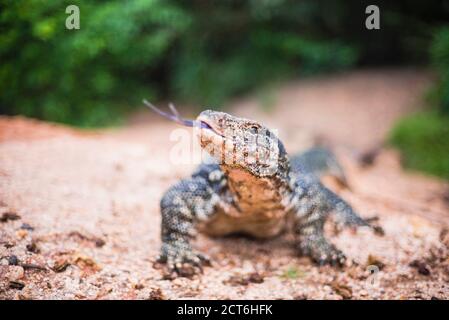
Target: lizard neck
(252, 194)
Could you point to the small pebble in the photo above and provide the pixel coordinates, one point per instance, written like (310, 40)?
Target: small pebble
(16, 285)
(9, 216)
(421, 267)
(26, 226)
(21, 233)
(32, 247)
(13, 260)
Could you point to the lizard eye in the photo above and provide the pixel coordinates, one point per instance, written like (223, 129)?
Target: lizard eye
(253, 129)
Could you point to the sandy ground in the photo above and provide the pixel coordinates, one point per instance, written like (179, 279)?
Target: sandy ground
(79, 215)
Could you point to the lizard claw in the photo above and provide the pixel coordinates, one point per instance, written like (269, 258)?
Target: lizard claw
(335, 259)
(183, 263)
(323, 253)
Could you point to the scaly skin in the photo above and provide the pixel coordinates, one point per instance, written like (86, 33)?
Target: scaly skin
(252, 187)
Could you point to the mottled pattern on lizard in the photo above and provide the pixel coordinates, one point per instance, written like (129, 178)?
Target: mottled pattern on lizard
(252, 187)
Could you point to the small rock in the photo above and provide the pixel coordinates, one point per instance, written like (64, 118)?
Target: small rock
(368, 158)
(99, 242)
(138, 286)
(32, 266)
(26, 226)
(9, 216)
(85, 263)
(16, 285)
(255, 277)
(21, 233)
(32, 247)
(379, 230)
(236, 280)
(421, 267)
(61, 265)
(343, 290)
(157, 294)
(244, 280)
(13, 260)
(21, 296)
(96, 240)
(9, 245)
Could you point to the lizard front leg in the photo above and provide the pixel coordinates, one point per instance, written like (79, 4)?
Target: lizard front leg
(183, 205)
(311, 210)
(313, 243)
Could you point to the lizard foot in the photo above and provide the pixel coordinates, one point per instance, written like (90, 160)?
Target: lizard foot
(183, 262)
(322, 252)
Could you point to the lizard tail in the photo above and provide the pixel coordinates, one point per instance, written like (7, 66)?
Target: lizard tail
(319, 161)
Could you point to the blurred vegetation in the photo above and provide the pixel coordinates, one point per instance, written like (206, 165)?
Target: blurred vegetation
(199, 51)
(440, 62)
(88, 76)
(423, 138)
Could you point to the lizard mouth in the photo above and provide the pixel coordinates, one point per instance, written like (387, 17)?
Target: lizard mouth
(203, 124)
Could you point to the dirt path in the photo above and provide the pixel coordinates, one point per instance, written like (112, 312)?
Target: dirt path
(85, 206)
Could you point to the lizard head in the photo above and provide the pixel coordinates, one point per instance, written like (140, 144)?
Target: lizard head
(239, 143)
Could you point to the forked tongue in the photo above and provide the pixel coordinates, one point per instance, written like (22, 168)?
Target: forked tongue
(176, 117)
(173, 117)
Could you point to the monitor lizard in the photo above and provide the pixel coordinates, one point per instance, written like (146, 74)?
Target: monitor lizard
(253, 187)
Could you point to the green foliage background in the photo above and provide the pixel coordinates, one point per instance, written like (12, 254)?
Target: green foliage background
(440, 62)
(88, 76)
(199, 51)
(423, 138)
